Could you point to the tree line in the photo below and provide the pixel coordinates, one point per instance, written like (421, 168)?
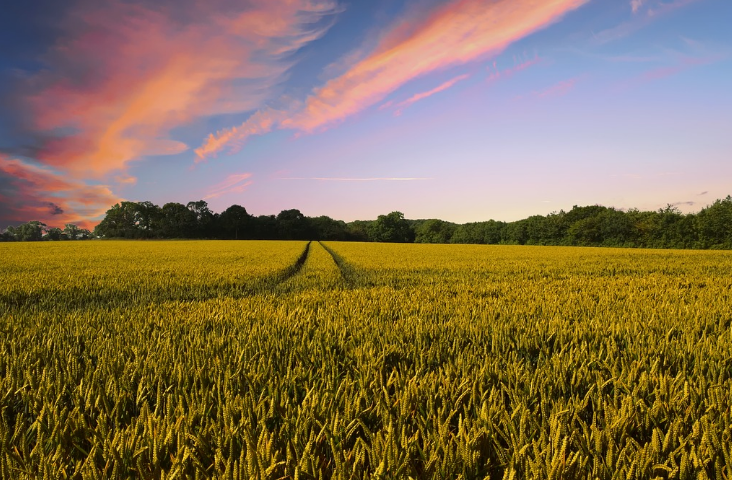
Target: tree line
(35, 231)
(593, 225)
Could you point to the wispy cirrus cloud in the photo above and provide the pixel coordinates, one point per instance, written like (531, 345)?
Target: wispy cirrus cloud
(635, 5)
(454, 34)
(233, 138)
(682, 64)
(422, 95)
(32, 192)
(234, 183)
(496, 74)
(644, 13)
(558, 89)
(358, 179)
(676, 65)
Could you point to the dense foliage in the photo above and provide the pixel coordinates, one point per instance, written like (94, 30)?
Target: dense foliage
(34, 231)
(290, 360)
(585, 226)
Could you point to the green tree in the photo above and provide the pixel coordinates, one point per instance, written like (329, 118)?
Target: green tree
(293, 225)
(54, 234)
(391, 228)
(326, 228)
(71, 231)
(714, 224)
(177, 221)
(434, 231)
(204, 219)
(358, 230)
(30, 232)
(8, 235)
(148, 217)
(120, 221)
(236, 223)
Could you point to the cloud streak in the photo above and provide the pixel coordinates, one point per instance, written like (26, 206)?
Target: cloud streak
(496, 74)
(234, 183)
(457, 33)
(422, 95)
(358, 179)
(682, 65)
(558, 89)
(644, 12)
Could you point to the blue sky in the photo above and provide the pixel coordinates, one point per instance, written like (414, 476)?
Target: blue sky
(461, 110)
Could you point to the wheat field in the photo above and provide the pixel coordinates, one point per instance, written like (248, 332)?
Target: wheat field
(273, 360)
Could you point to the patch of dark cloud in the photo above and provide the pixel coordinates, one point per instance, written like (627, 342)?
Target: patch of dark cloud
(702, 193)
(678, 204)
(54, 209)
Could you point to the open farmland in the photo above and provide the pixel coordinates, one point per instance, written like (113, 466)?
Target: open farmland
(346, 360)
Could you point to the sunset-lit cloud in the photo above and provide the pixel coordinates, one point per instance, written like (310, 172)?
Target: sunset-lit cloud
(644, 12)
(682, 64)
(422, 95)
(125, 180)
(459, 32)
(31, 192)
(124, 75)
(674, 66)
(558, 89)
(358, 179)
(233, 138)
(496, 74)
(234, 183)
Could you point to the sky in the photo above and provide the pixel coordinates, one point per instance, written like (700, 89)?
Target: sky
(464, 110)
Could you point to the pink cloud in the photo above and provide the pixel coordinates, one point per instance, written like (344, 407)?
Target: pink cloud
(681, 65)
(422, 95)
(233, 138)
(509, 72)
(125, 179)
(124, 75)
(40, 193)
(454, 34)
(234, 183)
(684, 64)
(644, 13)
(659, 7)
(358, 179)
(558, 89)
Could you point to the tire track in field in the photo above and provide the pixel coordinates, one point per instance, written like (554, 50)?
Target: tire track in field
(347, 271)
(295, 268)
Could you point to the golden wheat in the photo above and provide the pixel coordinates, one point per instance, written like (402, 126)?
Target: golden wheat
(235, 360)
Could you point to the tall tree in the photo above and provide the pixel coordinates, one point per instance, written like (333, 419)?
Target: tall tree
(434, 231)
(236, 223)
(178, 221)
(714, 224)
(391, 228)
(30, 232)
(293, 225)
